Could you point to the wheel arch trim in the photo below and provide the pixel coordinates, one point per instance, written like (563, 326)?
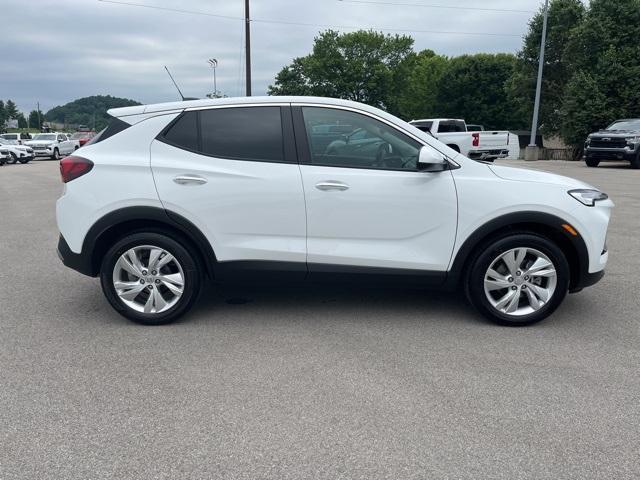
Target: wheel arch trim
(542, 223)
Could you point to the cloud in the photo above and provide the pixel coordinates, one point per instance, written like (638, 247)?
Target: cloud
(60, 50)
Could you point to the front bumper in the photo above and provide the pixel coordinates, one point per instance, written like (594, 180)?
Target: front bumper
(610, 153)
(587, 280)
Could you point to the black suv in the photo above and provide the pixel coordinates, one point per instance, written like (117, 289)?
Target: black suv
(619, 141)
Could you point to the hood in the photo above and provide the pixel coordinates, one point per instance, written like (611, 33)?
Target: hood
(536, 176)
(39, 143)
(615, 133)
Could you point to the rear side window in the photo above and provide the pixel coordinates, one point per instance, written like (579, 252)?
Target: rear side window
(242, 133)
(115, 126)
(424, 126)
(184, 132)
(449, 126)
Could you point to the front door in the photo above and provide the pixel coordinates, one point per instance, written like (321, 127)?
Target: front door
(239, 182)
(367, 203)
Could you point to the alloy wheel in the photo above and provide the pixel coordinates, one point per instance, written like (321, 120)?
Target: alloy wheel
(520, 281)
(148, 279)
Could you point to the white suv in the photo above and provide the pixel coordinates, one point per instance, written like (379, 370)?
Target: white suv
(277, 188)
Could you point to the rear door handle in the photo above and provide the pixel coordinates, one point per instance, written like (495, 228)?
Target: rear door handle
(332, 185)
(190, 180)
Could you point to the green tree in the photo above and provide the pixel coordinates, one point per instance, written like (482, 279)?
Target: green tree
(364, 66)
(11, 109)
(35, 118)
(419, 98)
(606, 54)
(3, 115)
(87, 111)
(22, 121)
(564, 17)
(473, 87)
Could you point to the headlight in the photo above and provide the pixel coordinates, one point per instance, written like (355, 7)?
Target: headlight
(633, 140)
(588, 197)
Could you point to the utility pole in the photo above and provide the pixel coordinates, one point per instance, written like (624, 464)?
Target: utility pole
(39, 122)
(532, 152)
(247, 41)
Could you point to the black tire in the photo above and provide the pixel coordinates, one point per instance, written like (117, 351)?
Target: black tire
(14, 158)
(635, 163)
(490, 251)
(24, 160)
(177, 247)
(56, 154)
(592, 162)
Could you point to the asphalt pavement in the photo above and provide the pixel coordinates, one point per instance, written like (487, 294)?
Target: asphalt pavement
(308, 383)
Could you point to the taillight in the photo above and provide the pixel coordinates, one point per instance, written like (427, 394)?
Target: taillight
(476, 139)
(73, 167)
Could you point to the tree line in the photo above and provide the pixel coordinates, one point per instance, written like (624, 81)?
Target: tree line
(591, 73)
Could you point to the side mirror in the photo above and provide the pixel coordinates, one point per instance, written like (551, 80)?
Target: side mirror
(430, 160)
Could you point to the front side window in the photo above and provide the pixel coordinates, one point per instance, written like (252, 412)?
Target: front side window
(342, 138)
(242, 133)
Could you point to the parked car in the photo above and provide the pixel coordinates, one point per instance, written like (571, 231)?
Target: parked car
(83, 137)
(4, 156)
(487, 146)
(619, 141)
(52, 145)
(17, 153)
(248, 190)
(20, 138)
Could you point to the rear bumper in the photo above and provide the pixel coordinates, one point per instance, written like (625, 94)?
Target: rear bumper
(76, 261)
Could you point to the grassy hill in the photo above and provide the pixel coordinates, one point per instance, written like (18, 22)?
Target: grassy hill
(88, 111)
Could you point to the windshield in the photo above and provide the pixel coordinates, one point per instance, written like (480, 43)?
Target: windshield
(625, 125)
(45, 136)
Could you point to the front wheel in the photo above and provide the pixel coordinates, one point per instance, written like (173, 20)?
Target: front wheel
(518, 280)
(14, 158)
(592, 162)
(56, 154)
(150, 278)
(635, 163)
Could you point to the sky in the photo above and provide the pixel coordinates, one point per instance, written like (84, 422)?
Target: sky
(55, 51)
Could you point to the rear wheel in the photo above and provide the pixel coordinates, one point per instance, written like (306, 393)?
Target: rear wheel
(518, 280)
(150, 278)
(592, 162)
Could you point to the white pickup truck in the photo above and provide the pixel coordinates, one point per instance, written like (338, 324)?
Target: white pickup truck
(473, 144)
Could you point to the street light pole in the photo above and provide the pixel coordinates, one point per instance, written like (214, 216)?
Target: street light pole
(247, 41)
(214, 63)
(532, 151)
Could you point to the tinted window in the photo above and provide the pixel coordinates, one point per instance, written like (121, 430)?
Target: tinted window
(115, 126)
(243, 133)
(357, 141)
(424, 126)
(184, 132)
(447, 126)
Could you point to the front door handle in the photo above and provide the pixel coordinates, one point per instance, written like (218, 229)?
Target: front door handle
(190, 180)
(332, 185)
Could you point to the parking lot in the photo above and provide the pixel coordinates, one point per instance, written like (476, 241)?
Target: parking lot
(293, 383)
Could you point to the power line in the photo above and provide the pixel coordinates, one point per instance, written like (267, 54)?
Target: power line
(450, 7)
(305, 24)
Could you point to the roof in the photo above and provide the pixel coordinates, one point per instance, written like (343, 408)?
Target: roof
(173, 106)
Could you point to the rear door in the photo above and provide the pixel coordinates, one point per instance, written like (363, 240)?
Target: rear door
(233, 172)
(372, 208)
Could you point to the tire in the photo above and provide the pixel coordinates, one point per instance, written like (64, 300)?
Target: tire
(592, 162)
(133, 297)
(56, 154)
(545, 292)
(24, 160)
(635, 163)
(14, 158)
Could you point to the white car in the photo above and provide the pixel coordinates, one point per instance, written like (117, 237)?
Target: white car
(247, 189)
(455, 133)
(19, 138)
(4, 155)
(17, 153)
(53, 145)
